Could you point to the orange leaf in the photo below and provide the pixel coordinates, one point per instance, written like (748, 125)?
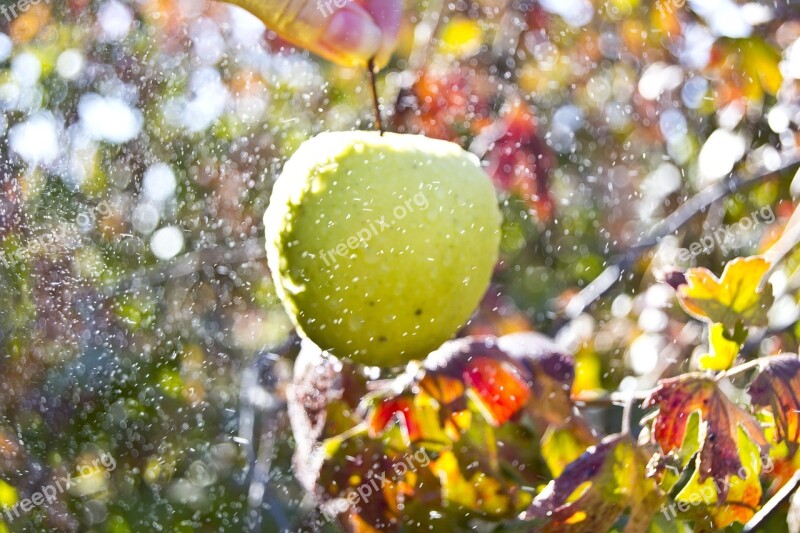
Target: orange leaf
(509, 373)
(499, 387)
(503, 375)
(742, 492)
(390, 409)
(552, 375)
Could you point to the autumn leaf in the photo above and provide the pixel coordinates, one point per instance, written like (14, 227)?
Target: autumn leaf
(732, 297)
(551, 372)
(562, 445)
(480, 369)
(759, 60)
(594, 490)
(676, 400)
(518, 160)
(502, 376)
(746, 69)
(460, 370)
(722, 350)
(475, 489)
(668, 468)
(777, 387)
(742, 492)
(369, 486)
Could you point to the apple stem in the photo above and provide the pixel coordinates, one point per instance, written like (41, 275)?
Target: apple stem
(375, 102)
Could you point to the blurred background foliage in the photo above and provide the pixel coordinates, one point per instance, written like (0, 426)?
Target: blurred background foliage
(140, 143)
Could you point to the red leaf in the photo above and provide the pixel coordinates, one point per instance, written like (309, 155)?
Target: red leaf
(677, 399)
(519, 162)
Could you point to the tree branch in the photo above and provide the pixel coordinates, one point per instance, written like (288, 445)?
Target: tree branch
(622, 398)
(191, 263)
(672, 223)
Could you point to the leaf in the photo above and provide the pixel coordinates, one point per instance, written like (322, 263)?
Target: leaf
(746, 68)
(732, 297)
(461, 37)
(777, 387)
(740, 497)
(552, 373)
(723, 351)
(371, 487)
(480, 370)
(502, 375)
(475, 490)
(761, 60)
(677, 399)
(560, 447)
(518, 160)
(669, 470)
(595, 489)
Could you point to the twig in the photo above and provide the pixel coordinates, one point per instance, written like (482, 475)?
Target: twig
(622, 398)
(672, 223)
(627, 410)
(744, 367)
(741, 369)
(255, 395)
(760, 517)
(375, 102)
(614, 398)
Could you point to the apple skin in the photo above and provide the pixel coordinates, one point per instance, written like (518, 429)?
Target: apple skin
(381, 247)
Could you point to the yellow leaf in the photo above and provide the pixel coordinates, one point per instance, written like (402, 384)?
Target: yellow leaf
(8, 495)
(461, 37)
(479, 491)
(732, 297)
(761, 59)
(723, 351)
(559, 448)
(588, 371)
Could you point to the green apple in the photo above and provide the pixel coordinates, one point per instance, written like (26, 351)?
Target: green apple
(381, 247)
